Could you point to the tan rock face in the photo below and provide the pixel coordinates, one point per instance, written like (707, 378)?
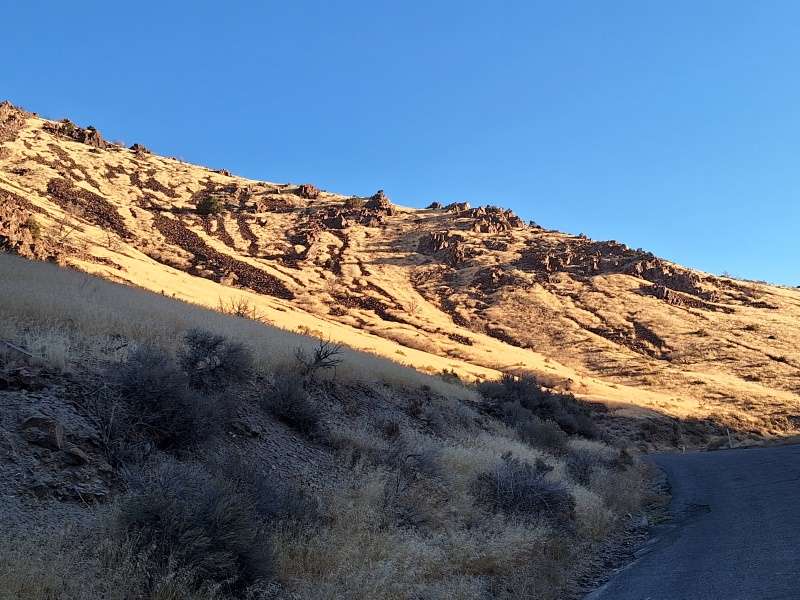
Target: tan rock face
(475, 290)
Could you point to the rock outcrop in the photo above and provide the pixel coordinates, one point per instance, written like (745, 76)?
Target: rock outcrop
(88, 135)
(448, 247)
(491, 219)
(140, 149)
(308, 191)
(12, 119)
(20, 231)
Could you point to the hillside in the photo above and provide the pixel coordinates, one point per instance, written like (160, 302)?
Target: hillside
(474, 291)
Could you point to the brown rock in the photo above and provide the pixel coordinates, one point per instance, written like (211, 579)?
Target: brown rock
(379, 201)
(140, 149)
(337, 221)
(43, 431)
(308, 191)
(90, 136)
(230, 278)
(73, 456)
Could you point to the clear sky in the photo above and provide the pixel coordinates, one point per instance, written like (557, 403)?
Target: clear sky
(672, 126)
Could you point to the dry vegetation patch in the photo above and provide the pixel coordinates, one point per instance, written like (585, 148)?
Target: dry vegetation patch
(433, 489)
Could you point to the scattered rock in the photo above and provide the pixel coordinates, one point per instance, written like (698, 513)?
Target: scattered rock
(20, 377)
(244, 427)
(491, 219)
(19, 229)
(434, 206)
(336, 221)
(68, 129)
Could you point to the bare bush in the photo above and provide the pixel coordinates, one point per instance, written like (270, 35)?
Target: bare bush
(325, 356)
(289, 402)
(274, 499)
(515, 487)
(214, 363)
(239, 307)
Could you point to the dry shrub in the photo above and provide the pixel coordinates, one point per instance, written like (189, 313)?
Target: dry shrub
(585, 457)
(564, 409)
(593, 518)
(517, 488)
(86, 563)
(149, 405)
(203, 522)
(214, 363)
(357, 555)
(289, 401)
(533, 430)
(275, 500)
(623, 491)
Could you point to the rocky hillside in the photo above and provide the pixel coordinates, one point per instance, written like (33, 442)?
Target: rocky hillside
(472, 291)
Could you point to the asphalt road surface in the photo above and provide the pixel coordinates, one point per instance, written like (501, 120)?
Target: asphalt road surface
(735, 532)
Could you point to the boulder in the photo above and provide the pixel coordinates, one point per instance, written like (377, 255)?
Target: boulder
(73, 456)
(140, 149)
(308, 191)
(90, 136)
(378, 201)
(43, 431)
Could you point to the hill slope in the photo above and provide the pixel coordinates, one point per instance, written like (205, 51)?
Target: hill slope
(474, 291)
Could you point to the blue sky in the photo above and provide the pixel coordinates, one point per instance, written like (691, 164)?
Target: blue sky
(673, 126)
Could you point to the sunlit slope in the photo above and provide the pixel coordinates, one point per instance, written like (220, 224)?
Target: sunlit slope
(474, 291)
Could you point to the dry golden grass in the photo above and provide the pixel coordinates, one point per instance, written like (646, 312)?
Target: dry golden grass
(67, 317)
(86, 564)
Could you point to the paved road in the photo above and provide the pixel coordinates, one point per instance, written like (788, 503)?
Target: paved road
(735, 533)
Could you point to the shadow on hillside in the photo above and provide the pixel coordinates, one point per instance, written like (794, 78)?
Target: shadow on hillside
(651, 430)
